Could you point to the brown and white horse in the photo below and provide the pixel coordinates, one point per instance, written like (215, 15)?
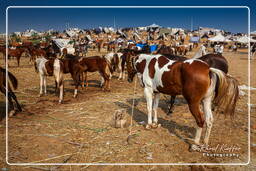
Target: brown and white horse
(194, 79)
(116, 60)
(10, 94)
(50, 67)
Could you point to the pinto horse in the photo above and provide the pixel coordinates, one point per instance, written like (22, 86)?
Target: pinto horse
(116, 60)
(10, 94)
(193, 78)
(50, 67)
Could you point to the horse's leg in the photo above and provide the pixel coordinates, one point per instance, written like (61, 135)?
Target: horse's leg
(102, 82)
(120, 75)
(76, 79)
(12, 112)
(198, 115)
(171, 105)
(208, 117)
(15, 99)
(56, 87)
(86, 81)
(18, 60)
(41, 85)
(155, 106)
(45, 86)
(82, 79)
(61, 87)
(149, 98)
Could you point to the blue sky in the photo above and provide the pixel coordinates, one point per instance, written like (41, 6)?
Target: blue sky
(234, 20)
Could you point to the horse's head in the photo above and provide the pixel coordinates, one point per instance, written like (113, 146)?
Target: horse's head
(130, 63)
(115, 62)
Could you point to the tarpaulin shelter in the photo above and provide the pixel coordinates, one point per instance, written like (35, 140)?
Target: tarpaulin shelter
(141, 45)
(65, 43)
(194, 39)
(153, 48)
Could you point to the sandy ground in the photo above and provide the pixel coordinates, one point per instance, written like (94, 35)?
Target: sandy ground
(80, 130)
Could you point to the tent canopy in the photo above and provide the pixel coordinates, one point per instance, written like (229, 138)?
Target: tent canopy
(218, 38)
(243, 39)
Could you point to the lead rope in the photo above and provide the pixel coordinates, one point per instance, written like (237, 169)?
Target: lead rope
(133, 101)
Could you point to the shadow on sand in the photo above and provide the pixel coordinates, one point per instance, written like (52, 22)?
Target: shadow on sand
(172, 126)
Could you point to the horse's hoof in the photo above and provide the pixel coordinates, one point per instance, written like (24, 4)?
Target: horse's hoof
(60, 101)
(155, 125)
(12, 112)
(148, 126)
(40, 95)
(194, 147)
(169, 112)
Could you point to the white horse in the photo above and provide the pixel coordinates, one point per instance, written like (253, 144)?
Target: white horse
(46, 68)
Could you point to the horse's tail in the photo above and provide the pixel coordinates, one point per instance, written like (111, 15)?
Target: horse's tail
(13, 80)
(108, 67)
(58, 72)
(11, 77)
(226, 90)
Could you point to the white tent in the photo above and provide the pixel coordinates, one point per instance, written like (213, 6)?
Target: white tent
(243, 39)
(218, 38)
(252, 40)
(153, 26)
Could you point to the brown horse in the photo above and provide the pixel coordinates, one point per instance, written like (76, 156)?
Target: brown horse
(181, 50)
(99, 44)
(10, 94)
(17, 53)
(193, 78)
(93, 64)
(111, 47)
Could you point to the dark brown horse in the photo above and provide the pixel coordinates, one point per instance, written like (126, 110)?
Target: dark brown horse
(193, 78)
(35, 53)
(166, 50)
(10, 94)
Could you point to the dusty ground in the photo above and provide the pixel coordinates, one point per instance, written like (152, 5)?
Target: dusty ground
(80, 130)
